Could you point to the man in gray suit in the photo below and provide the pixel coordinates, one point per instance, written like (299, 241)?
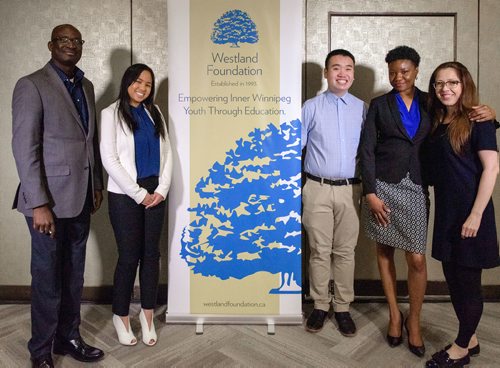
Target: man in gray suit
(55, 146)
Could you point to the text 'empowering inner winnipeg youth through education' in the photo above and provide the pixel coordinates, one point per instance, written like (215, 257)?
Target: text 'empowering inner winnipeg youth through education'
(254, 97)
(219, 101)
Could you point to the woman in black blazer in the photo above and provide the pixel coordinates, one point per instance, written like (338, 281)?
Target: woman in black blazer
(396, 208)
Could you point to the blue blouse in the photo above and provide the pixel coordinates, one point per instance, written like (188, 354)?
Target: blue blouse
(147, 144)
(409, 118)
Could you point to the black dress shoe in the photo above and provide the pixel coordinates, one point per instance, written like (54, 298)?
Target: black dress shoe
(78, 349)
(473, 352)
(417, 350)
(44, 361)
(346, 324)
(441, 359)
(316, 320)
(394, 341)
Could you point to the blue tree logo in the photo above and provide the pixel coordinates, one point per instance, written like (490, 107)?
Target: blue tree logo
(248, 220)
(234, 26)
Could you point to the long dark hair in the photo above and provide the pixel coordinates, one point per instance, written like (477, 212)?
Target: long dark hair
(460, 126)
(129, 77)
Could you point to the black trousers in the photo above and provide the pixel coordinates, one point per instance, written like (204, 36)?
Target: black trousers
(464, 284)
(137, 233)
(57, 268)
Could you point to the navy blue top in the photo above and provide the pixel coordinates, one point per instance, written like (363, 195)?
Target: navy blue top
(75, 90)
(147, 144)
(411, 118)
(456, 180)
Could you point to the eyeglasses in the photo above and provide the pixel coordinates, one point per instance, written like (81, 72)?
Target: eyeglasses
(78, 42)
(451, 84)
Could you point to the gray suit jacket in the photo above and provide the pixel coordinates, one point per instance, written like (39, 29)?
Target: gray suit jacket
(54, 156)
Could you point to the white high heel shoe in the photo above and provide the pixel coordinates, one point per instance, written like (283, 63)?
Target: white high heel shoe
(148, 334)
(125, 337)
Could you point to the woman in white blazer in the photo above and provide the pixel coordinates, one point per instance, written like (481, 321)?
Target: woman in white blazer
(136, 153)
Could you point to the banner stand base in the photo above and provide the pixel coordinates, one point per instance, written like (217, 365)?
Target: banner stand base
(214, 319)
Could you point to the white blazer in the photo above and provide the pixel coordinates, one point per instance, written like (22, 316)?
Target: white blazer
(118, 156)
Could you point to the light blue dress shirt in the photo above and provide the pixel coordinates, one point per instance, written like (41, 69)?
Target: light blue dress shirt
(331, 129)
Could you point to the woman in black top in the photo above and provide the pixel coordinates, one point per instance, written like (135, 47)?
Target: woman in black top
(462, 160)
(395, 213)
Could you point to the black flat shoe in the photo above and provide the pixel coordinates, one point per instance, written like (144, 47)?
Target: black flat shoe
(347, 327)
(394, 341)
(473, 352)
(441, 359)
(44, 361)
(316, 320)
(417, 350)
(78, 349)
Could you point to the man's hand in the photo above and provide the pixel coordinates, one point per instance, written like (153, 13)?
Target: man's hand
(43, 221)
(97, 200)
(482, 113)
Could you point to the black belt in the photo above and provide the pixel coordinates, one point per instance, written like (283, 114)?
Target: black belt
(347, 181)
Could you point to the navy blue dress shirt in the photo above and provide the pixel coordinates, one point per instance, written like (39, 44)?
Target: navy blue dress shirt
(75, 90)
(147, 144)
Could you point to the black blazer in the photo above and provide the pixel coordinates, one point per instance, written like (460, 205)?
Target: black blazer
(386, 150)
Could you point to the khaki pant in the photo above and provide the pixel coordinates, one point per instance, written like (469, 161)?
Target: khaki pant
(331, 219)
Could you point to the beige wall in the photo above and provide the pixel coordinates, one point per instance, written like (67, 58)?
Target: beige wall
(112, 42)
(489, 78)
(370, 39)
(120, 31)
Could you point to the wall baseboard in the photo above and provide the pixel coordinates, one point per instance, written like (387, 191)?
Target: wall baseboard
(373, 288)
(365, 290)
(98, 294)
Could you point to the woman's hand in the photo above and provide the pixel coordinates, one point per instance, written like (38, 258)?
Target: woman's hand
(148, 199)
(471, 225)
(156, 199)
(379, 210)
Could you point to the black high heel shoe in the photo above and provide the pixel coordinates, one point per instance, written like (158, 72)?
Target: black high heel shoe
(417, 350)
(394, 341)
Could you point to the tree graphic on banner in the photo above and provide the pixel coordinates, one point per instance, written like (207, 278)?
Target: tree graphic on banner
(248, 218)
(234, 26)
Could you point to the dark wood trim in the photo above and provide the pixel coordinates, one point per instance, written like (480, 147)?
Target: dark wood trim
(15, 294)
(369, 288)
(97, 294)
(365, 290)
(392, 14)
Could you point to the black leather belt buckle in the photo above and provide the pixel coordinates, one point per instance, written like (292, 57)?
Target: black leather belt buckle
(338, 182)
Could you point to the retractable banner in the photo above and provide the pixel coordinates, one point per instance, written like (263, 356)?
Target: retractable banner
(234, 204)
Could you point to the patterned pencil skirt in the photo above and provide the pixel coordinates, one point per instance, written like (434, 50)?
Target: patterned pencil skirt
(409, 205)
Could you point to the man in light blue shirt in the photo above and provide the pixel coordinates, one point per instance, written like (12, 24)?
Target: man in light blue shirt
(331, 129)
